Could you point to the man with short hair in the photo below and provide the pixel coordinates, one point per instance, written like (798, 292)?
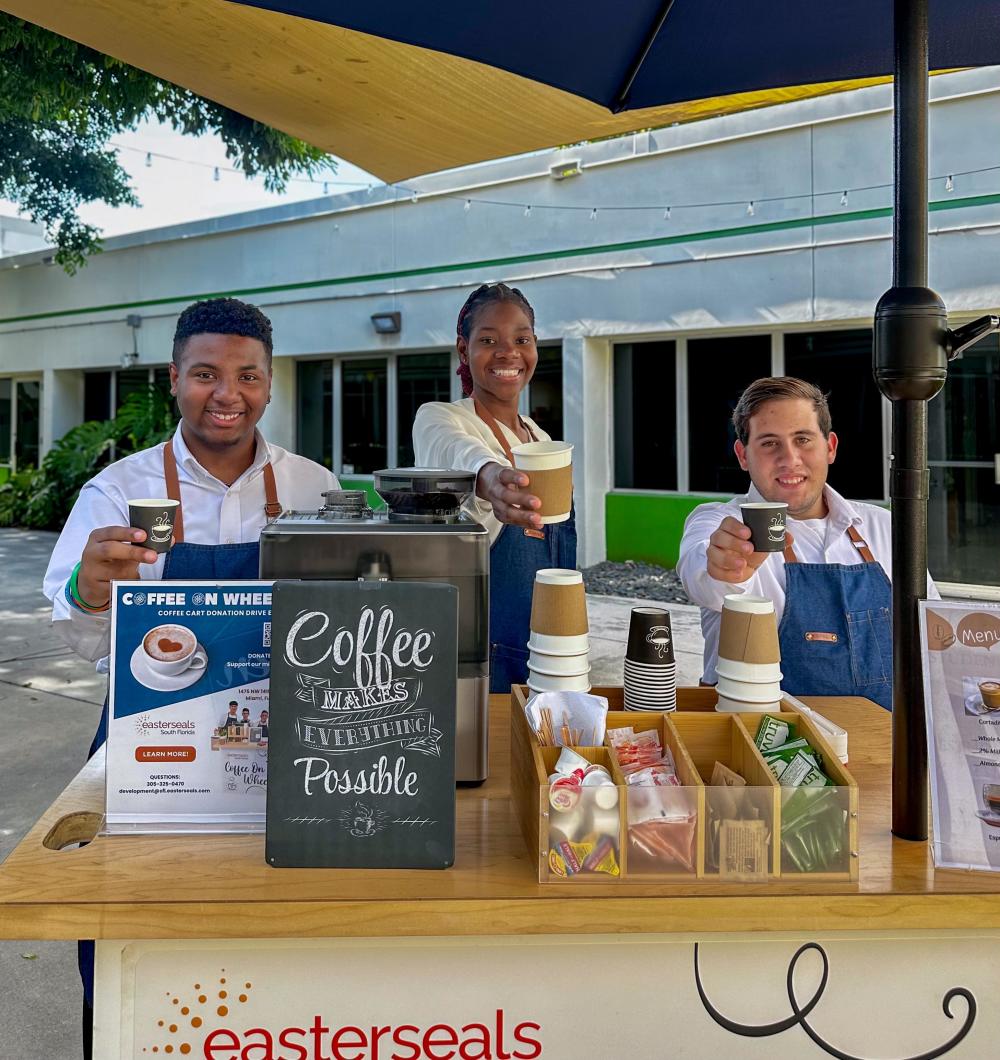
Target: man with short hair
(227, 479)
(831, 586)
(231, 719)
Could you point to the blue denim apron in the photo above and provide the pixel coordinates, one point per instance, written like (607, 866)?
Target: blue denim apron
(515, 556)
(184, 562)
(514, 559)
(836, 630)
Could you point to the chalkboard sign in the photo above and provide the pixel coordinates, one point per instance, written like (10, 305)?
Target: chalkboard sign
(361, 762)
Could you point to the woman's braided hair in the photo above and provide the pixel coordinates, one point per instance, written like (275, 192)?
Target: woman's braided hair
(482, 296)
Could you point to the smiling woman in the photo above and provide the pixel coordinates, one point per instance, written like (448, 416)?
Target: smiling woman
(498, 353)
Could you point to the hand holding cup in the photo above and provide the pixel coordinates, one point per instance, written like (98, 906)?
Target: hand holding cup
(731, 557)
(111, 554)
(505, 489)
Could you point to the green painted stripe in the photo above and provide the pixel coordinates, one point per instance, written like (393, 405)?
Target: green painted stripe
(518, 259)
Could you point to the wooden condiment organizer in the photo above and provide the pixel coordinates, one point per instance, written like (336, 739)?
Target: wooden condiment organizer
(698, 736)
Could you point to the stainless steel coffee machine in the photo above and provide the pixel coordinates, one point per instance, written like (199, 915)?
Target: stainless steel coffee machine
(423, 535)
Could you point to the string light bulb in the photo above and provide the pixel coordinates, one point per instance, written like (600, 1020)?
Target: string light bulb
(750, 209)
(215, 173)
(527, 211)
(843, 198)
(593, 214)
(413, 198)
(949, 183)
(468, 205)
(149, 159)
(666, 214)
(326, 188)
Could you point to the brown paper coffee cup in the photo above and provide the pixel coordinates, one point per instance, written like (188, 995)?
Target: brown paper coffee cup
(559, 610)
(748, 638)
(554, 488)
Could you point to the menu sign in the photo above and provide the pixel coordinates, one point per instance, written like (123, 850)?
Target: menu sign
(188, 705)
(962, 696)
(362, 753)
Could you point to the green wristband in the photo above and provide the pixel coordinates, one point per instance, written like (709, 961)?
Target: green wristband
(74, 592)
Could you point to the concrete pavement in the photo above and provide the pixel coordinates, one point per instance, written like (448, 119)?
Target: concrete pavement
(49, 707)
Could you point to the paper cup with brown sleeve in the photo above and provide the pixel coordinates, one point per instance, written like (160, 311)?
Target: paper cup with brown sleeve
(549, 467)
(748, 631)
(559, 613)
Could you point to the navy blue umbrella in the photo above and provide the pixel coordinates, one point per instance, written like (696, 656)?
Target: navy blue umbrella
(647, 53)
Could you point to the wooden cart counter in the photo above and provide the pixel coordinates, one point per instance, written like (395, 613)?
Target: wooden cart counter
(191, 887)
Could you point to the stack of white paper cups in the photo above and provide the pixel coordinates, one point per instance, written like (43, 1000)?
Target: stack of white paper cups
(559, 644)
(749, 665)
(650, 670)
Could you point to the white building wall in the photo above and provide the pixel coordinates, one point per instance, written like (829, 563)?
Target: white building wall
(321, 269)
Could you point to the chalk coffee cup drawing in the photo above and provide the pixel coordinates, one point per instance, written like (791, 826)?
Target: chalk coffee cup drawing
(990, 692)
(549, 467)
(171, 649)
(766, 520)
(157, 518)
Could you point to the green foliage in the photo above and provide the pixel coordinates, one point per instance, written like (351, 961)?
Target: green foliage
(42, 498)
(60, 103)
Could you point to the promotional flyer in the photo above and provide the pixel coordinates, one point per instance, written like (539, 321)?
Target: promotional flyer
(962, 697)
(188, 722)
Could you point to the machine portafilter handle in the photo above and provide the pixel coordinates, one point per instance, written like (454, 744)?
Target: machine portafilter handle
(374, 567)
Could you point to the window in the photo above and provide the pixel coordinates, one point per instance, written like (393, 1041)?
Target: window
(364, 417)
(6, 418)
(645, 391)
(963, 444)
(97, 396)
(420, 378)
(545, 400)
(28, 423)
(719, 370)
(314, 388)
(840, 364)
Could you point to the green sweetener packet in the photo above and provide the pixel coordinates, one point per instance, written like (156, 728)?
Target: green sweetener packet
(773, 732)
(802, 771)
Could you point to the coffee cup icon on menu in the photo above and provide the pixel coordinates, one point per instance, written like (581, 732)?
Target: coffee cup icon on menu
(776, 528)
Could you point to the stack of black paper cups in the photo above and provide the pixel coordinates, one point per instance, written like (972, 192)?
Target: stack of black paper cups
(650, 671)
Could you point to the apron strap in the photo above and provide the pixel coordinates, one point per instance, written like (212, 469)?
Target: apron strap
(173, 488)
(856, 539)
(860, 544)
(272, 506)
(487, 418)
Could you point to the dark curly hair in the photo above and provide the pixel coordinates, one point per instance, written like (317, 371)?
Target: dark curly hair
(222, 316)
(482, 296)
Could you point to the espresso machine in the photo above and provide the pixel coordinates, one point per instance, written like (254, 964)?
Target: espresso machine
(422, 535)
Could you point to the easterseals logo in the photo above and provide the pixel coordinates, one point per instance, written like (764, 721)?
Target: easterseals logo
(210, 1020)
(145, 725)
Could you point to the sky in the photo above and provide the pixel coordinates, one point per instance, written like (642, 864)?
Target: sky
(178, 185)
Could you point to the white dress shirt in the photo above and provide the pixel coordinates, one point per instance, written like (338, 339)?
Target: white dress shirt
(816, 541)
(450, 434)
(214, 514)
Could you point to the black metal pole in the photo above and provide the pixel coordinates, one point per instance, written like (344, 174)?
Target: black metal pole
(910, 366)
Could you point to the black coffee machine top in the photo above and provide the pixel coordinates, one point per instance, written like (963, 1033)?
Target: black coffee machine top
(423, 492)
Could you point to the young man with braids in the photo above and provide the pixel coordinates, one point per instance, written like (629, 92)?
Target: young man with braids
(227, 478)
(497, 352)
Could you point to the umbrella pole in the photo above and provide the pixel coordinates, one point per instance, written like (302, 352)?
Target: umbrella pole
(910, 366)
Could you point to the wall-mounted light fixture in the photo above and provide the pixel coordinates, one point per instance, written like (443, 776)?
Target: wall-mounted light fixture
(387, 323)
(130, 358)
